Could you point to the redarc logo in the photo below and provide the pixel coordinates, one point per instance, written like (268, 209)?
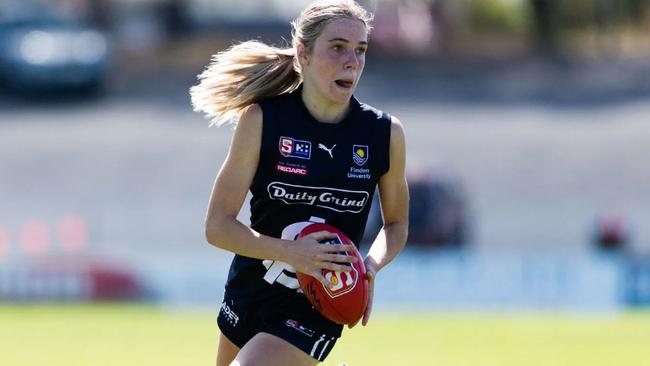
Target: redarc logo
(291, 169)
(339, 200)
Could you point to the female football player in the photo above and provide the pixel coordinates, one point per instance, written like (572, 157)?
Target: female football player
(309, 152)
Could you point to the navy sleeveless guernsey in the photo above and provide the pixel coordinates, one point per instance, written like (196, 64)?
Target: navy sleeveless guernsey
(309, 171)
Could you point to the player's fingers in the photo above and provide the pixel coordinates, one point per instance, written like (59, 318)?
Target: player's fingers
(321, 235)
(339, 258)
(335, 267)
(366, 314)
(317, 275)
(336, 248)
(368, 311)
(370, 276)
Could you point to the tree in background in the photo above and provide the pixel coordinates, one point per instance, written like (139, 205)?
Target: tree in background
(601, 20)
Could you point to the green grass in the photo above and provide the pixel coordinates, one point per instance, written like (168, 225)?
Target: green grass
(499, 340)
(140, 335)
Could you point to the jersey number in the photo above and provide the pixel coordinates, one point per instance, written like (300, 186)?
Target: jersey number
(280, 272)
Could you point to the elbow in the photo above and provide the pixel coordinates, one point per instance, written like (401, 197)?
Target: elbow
(400, 237)
(214, 230)
(398, 230)
(397, 225)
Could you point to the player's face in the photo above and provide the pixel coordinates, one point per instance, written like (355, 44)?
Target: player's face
(335, 64)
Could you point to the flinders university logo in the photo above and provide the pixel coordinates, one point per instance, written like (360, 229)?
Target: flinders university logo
(360, 154)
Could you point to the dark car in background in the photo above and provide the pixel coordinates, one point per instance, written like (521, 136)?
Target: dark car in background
(43, 52)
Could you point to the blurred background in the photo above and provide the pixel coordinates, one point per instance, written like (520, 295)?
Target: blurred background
(527, 138)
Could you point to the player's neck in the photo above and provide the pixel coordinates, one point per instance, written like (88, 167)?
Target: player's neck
(323, 110)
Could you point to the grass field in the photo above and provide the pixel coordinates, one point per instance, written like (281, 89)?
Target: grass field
(127, 335)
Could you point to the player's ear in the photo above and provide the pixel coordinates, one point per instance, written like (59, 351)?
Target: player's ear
(302, 54)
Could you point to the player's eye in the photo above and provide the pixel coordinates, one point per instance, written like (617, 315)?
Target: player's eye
(361, 51)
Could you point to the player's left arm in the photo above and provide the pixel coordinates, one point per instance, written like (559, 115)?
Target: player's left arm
(394, 198)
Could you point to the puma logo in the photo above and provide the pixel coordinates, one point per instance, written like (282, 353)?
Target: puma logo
(323, 147)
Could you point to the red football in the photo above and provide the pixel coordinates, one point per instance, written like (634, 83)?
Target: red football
(346, 301)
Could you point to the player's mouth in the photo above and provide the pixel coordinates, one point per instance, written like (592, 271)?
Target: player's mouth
(345, 83)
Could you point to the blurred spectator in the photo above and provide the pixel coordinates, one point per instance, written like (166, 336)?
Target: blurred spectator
(438, 214)
(101, 14)
(437, 211)
(174, 16)
(611, 232)
(544, 12)
(415, 26)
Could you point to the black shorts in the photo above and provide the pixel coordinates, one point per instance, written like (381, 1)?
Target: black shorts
(290, 318)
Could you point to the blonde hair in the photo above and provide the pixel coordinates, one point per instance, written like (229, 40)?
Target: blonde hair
(250, 71)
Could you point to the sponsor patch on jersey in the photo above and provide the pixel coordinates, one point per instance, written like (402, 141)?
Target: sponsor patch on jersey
(230, 316)
(329, 150)
(360, 154)
(291, 169)
(295, 325)
(358, 173)
(292, 148)
(334, 199)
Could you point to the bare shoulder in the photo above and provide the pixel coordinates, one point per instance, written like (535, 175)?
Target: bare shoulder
(248, 133)
(251, 119)
(396, 128)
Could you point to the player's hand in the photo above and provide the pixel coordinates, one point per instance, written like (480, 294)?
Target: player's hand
(371, 273)
(310, 257)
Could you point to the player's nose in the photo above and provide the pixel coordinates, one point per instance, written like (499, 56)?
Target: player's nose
(352, 62)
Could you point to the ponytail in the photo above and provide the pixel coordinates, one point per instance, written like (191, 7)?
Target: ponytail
(251, 71)
(243, 75)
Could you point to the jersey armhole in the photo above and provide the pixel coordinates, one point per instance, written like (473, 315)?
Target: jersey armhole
(387, 117)
(262, 148)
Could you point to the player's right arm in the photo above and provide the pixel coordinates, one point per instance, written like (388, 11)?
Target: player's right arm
(223, 230)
